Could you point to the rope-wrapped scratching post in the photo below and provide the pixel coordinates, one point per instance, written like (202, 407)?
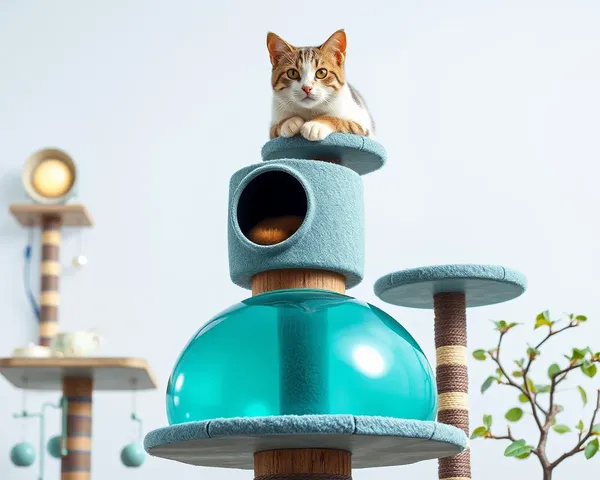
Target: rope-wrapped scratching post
(451, 376)
(50, 276)
(77, 464)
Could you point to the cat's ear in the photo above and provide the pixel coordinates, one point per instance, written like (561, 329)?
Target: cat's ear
(336, 44)
(277, 47)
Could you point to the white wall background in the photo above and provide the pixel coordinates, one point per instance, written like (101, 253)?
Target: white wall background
(489, 112)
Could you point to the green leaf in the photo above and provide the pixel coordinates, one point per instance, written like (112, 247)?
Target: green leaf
(479, 355)
(545, 315)
(517, 448)
(531, 385)
(581, 318)
(542, 322)
(561, 429)
(517, 373)
(501, 326)
(583, 395)
(589, 368)
(487, 421)
(523, 398)
(579, 353)
(580, 426)
(520, 362)
(542, 388)
(532, 353)
(553, 370)
(596, 429)
(524, 456)
(514, 414)
(487, 384)
(479, 432)
(591, 448)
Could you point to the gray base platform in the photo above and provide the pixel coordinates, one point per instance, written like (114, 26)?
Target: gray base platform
(373, 441)
(481, 284)
(356, 152)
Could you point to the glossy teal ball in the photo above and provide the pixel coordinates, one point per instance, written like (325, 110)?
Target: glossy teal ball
(22, 455)
(133, 455)
(53, 446)
(301, 351)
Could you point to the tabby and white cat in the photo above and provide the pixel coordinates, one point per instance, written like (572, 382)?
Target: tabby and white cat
(310, 94)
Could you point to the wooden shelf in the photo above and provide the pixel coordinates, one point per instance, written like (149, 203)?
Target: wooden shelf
(31, 214)
(109, 373)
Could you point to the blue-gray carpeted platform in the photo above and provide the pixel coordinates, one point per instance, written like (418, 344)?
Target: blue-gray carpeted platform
(359, 153)
(373, 441)
(481, 284)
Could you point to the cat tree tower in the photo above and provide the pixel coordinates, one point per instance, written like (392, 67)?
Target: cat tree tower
(301, 381)
(49, 178)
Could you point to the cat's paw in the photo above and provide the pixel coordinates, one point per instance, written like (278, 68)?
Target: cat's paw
(316, 130)
(291, 126)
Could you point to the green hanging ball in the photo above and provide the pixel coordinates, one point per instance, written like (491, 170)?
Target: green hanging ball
(133, 455)
(53, 446)
(22, 455)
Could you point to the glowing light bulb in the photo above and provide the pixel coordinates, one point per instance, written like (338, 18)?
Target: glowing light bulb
(52, 178)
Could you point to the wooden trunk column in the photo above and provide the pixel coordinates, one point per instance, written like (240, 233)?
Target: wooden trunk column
(77, 464)
(303, 464)
(50, 275)
(297, 278)
(452, 378)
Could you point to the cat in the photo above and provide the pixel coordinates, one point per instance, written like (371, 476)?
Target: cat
(310, 94)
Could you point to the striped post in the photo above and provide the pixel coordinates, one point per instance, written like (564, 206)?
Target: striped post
(77, 464)
(50, 275)
(451, 376)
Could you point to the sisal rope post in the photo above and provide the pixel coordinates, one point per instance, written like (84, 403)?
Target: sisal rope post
(451, 377)
(77, 464)
(303, 464)
(50, 276)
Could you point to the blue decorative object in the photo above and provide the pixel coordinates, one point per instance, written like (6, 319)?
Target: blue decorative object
(481, 284)
(374, 441)
(328, 197)
(133, 455)
(22, 455)
(359, 153)
(54, 446)
(302, 351)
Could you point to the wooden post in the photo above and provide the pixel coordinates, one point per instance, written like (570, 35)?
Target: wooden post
(297, 278)
(77, 464)
(303, 464)
(451, 376)
(50, 275)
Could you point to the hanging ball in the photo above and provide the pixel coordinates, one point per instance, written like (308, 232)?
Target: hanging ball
(79, 261)
(52, 178)
(53, 446)
(133, 455)
(22, 455)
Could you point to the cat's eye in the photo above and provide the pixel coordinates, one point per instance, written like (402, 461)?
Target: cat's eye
(293, 74)
(321, 73)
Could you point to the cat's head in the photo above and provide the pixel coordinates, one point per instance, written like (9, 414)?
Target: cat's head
(307, 77)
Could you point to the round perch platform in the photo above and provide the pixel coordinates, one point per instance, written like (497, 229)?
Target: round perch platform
(355, 152)
(449, 290)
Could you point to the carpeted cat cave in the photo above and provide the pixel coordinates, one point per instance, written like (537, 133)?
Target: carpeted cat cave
(301, 380)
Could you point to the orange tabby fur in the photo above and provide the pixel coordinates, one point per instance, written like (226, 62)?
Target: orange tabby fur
(343, 111)
(271, 231)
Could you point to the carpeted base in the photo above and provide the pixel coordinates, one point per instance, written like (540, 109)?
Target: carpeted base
(356, 152)
(373, 441)
(482, 285)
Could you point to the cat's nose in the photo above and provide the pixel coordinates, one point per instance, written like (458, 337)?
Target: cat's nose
(307, 89)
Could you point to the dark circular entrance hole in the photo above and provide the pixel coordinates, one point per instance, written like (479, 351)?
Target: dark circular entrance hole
(272, 207)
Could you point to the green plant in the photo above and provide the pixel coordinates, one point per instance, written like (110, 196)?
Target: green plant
(540, 399)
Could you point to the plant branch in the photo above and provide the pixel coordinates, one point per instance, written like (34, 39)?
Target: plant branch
(582, 439)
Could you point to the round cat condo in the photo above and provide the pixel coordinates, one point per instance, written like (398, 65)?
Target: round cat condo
(50, 177)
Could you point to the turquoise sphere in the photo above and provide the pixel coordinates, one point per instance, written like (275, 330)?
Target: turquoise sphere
(297, 352)
(133, 455)
(54, 446)
(22, 455)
